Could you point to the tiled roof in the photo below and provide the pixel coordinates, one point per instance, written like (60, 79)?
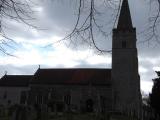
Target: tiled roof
(72, 76)
(15, 80)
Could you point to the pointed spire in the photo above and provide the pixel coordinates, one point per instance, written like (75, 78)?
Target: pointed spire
(125, 21)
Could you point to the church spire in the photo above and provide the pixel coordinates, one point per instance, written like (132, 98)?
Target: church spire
(125, 21)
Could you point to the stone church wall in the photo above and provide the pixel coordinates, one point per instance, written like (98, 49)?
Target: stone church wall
(79, 94)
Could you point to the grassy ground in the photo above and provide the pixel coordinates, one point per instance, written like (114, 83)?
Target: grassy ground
(80, 117)
(89, 116)
(4, 118)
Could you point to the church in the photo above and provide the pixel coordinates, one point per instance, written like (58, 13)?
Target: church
(85, 89)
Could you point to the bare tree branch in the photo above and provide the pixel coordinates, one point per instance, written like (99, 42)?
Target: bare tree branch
(16, 10)
(86, 27)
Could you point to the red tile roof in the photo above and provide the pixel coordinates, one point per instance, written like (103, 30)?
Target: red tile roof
(72, 76)
(15, 80)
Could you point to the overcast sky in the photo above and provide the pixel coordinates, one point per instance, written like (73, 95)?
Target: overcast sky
(40, 47)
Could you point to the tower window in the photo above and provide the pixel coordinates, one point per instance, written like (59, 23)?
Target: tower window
(124, 44)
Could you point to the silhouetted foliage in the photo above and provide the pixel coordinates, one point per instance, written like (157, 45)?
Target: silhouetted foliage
(154, 97)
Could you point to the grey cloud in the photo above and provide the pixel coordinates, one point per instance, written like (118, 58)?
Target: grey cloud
(12, 69)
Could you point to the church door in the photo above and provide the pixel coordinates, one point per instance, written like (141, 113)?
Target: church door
(89, 105)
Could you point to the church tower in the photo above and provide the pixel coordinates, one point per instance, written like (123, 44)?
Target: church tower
(125, 76)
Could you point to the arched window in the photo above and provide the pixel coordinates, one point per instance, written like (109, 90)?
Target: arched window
(67, 99)
(39, 99)
(5, 95)
(23, 97)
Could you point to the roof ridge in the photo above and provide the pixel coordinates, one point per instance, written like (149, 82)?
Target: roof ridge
(71, 68)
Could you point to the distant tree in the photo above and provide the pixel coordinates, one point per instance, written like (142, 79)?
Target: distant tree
(154, 97)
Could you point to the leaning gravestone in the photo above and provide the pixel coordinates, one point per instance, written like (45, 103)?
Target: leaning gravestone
(44, 113)
(14, 114)
(31, 113)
